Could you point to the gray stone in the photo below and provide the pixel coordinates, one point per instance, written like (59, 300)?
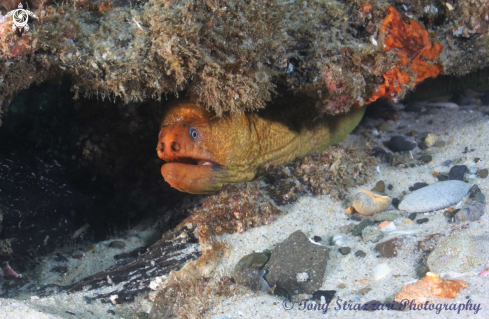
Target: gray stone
(435, 196)
(360, 253)
(357, 231)
(347, 228)
(471, 212)
(372, 235)
(344, 250)
(296, 255)
(380, 217)
(456, 253)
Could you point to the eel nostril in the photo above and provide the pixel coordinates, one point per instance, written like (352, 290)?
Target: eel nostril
(175, 146)
(162, 147)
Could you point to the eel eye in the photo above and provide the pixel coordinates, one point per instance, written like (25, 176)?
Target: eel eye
(194, 135)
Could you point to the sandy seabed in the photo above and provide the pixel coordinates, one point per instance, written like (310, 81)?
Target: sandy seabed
(321, 216)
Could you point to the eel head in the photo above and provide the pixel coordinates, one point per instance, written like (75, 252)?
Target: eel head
(185, 142)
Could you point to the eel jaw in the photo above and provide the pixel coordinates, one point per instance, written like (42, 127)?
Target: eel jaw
(204, 178)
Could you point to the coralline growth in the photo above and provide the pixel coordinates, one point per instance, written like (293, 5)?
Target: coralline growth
(229, 55)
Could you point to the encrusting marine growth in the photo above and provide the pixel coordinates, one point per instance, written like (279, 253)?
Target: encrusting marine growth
(205, 152)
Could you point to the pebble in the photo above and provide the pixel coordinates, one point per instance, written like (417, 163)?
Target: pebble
(384, 127)
(430, 139)
(417, 186)
(380, 217)
(412, 216)
(422, 221)
(360, 253)
(480, 197)
(447, 163)
(471, 212)
(413, 133)
(372, 235)
(400, 143)
(388, 248)
(381, 271)
(341, 286)
(119, 244)
(88, 300)
(440, 144)
(345, 250)
(456, 253)
(355, 218)
(347, 228)
(482, 173)
(357, 231)
(317, 239)
(477, 159)
(457, 172)
(435, 196)
(379, 187)
(368, 203)
(111, 312)
(254, 260)
(426, 158)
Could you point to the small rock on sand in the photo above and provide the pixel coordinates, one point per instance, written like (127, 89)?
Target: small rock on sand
(435, 196)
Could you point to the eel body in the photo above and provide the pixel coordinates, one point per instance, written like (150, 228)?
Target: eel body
(204, 152)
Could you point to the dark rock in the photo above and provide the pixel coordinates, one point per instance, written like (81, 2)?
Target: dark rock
(483, 173)
(111, 312)
(470, 212)
(442, 177)
(450, 215)
(477, 159)
(355, 218)
(417, 186)
(381, 154)
(412, 216)
(447, 163)
(296, 255)
(422, 221)
(327, 294)
(422, 146)
(457, 172)
(360, 253)
(395, 202)
(347, 228)
(317, 239)
(400, 143)
(426, 158)
(390, 187)
(357, 231)
(388, 249)
(474, 190)
(344, 250)
(119, 244)
(88, 300)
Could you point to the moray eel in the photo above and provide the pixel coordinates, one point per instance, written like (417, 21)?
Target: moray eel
(204, 152)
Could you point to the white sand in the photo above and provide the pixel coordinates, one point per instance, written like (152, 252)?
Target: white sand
(322, 216)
